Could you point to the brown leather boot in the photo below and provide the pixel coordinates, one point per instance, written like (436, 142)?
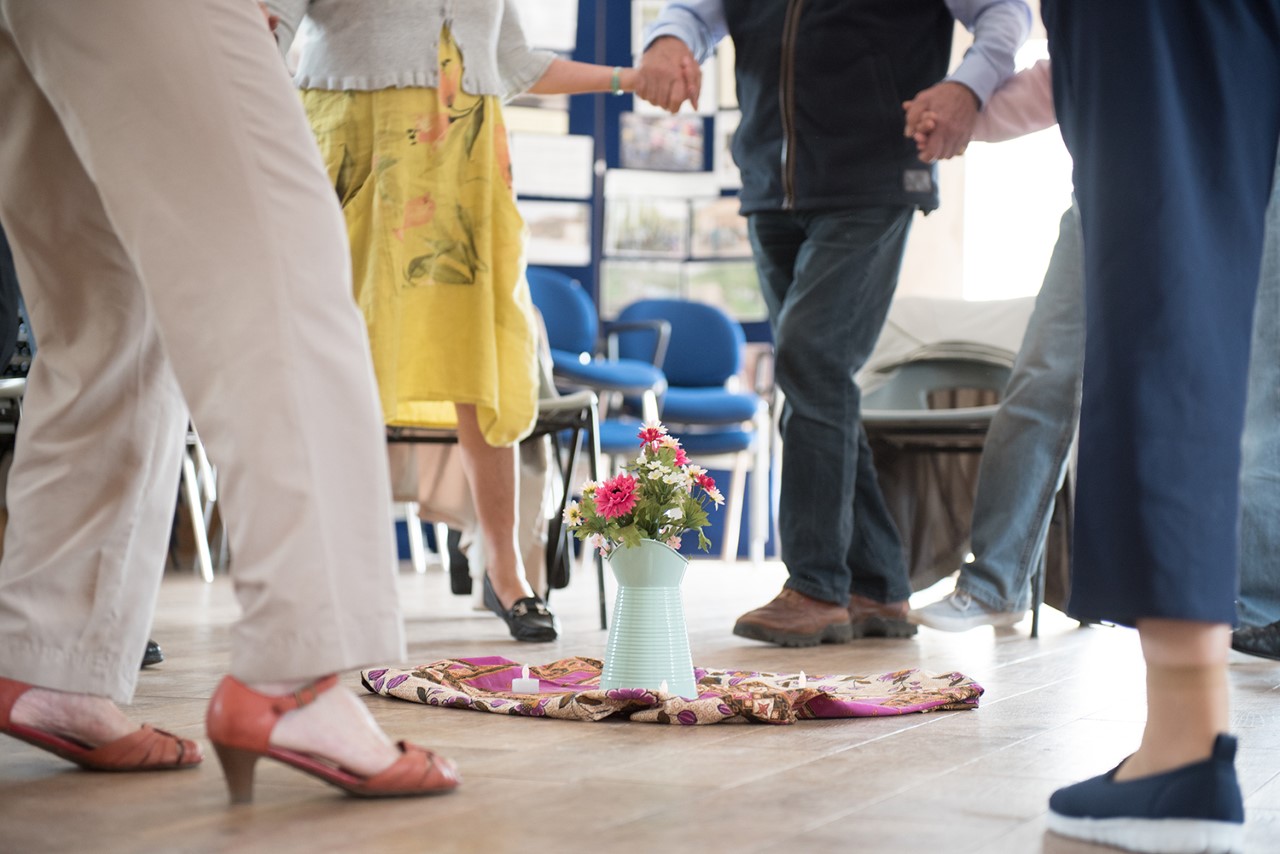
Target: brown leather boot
(794, 619)
(871, 619)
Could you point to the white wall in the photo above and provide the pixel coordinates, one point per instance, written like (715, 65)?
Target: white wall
(996, 228)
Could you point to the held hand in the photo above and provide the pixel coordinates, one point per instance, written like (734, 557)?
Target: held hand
(663, 78)
(954, 110)
(926, 125)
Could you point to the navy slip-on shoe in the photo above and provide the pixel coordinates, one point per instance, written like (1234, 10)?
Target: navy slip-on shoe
(1189, 810)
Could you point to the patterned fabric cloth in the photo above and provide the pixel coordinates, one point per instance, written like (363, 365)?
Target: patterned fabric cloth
(570, 690)
(424, 178)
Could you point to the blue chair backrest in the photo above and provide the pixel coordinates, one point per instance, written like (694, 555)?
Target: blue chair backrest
(705, 347)
(567, 310)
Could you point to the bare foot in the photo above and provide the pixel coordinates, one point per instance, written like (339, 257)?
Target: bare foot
(90, 720)
(336, 727)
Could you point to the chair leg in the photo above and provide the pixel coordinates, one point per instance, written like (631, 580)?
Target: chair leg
(733, 506)
(441, 532)
(1037, 592)
(593, 461)
(761, 489)
(477, 565)
(208, 479)
(191, 494)
(413, 529)
(559, 539)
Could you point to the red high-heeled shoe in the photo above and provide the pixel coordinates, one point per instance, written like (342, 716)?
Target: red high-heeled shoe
(145, 749)
(240, 721)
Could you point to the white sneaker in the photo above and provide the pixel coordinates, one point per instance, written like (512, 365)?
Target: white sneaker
(959, 612)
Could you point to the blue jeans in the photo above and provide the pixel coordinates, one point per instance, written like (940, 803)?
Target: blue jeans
(1259, 602)
(1030, 438)
(828, 278)
(1029, 441)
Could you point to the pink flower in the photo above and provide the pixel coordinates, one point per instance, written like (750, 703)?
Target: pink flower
(616, 497)
(674, 542)
(706, 481)
(682, 459)
(651, 432)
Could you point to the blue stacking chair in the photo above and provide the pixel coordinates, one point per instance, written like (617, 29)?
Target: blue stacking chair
(582, 360)
(715, 420)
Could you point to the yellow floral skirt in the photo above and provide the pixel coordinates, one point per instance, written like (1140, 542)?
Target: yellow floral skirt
(424, 177)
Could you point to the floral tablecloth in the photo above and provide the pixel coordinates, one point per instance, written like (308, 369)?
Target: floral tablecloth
(570, 689)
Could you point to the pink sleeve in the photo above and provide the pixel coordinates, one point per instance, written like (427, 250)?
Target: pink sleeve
(1023, 105)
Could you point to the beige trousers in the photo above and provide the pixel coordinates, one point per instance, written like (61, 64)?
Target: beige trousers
(179, 245)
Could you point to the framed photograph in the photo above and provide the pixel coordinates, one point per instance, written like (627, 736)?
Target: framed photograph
(646, 227)
(668, 143)
(553, 166)
(731, 285)
(559, 232)
(719, 231)
(636, 183)
(550, 24)
(538, 102)
(622, 282)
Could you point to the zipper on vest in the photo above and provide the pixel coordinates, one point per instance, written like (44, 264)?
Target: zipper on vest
(787, 101)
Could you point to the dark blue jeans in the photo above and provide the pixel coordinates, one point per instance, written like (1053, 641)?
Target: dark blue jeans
(828, 278)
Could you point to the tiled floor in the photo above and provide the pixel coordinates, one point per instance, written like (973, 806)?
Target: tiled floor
(1057, 709)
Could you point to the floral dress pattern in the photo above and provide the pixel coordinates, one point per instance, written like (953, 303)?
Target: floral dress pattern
(570, 690)
(424, 178)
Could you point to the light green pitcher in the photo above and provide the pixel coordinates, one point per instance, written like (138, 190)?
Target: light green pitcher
(648, 642)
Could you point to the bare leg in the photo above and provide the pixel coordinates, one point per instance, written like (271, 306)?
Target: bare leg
(1187, 700)
(493, 474)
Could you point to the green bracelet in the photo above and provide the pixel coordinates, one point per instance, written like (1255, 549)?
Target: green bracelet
(615, 85)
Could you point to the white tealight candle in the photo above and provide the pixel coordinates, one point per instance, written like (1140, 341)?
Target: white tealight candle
(803, 681)
(523, 684)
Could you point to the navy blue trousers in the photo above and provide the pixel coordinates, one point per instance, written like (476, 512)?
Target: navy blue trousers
(1171, 110)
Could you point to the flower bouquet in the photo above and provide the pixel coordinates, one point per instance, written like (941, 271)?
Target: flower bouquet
(658, 496)
(636, 520)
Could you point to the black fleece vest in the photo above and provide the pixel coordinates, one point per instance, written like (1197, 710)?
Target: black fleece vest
(821, 85)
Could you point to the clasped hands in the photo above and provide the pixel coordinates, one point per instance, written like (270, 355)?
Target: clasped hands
(941, 119)
(668, 75)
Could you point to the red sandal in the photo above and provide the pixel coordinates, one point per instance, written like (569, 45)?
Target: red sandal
(240, 721)
(145, 749)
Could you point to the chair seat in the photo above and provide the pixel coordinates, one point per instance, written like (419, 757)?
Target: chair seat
(625, 375)
(730, 440)
(620, 436)
(708, 406)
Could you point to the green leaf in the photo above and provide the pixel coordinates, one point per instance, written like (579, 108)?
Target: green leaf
(630, 536)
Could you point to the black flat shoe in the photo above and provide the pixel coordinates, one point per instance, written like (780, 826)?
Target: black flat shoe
(1262, 641)
(528, 619)
(152, 655)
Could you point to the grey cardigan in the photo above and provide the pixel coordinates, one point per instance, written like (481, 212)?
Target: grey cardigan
(381, 44)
